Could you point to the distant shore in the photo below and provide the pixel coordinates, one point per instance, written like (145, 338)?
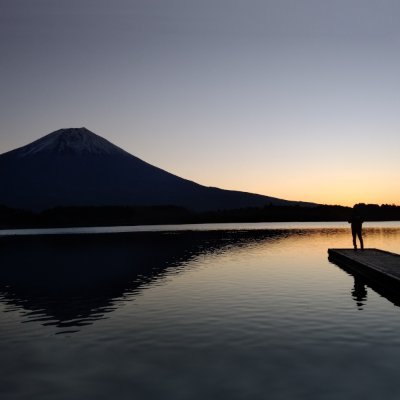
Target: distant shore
(64, 217)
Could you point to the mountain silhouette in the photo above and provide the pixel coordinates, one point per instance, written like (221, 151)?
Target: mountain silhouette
(76, 167)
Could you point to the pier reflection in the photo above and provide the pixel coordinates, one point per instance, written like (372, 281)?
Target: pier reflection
(362, 282)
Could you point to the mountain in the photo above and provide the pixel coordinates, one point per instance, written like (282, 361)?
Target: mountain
(75, 167)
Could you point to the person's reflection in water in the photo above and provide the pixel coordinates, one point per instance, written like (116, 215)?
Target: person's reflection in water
(359, 292)
(356, 222)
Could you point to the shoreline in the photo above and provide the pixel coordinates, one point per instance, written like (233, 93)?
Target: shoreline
(181, 228)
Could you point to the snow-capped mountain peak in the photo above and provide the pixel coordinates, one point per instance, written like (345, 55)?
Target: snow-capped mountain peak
(71, 141)
(75, 167)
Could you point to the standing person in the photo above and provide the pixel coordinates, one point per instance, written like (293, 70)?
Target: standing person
(356, 222)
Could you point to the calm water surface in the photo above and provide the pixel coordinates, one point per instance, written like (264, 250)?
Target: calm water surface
(239, 314)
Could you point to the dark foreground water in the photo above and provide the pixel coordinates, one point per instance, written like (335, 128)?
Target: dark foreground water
(249, 314)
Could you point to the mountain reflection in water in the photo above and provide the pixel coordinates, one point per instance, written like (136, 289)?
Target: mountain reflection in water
(72, 281)
(195, 315)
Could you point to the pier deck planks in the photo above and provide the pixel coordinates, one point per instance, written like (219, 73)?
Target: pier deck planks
(371, 262)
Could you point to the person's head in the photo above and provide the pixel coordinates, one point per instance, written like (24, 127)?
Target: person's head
(358, 209)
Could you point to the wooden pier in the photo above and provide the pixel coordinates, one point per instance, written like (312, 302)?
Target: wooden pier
(374, 264)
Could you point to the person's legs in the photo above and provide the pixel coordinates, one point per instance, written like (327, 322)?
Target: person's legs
(354, 233)
(359, 234)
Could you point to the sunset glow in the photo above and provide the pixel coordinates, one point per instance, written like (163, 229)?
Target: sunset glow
(296, 100)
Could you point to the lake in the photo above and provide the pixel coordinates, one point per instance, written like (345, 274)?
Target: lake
(235, 311)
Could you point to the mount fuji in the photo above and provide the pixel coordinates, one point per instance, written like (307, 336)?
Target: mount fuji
(76, 167)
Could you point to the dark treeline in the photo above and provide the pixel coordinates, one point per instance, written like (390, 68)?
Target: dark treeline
(114, 216)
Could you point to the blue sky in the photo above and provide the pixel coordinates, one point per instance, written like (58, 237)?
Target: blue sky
(293, 99)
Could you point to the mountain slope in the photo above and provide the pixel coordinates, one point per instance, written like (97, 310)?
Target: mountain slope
(75, 167)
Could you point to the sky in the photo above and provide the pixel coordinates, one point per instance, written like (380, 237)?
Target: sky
(296, 99)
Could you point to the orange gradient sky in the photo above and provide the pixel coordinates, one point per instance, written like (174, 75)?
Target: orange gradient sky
(292, 99)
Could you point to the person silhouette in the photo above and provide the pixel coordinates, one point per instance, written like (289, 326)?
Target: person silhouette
(356, 222)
